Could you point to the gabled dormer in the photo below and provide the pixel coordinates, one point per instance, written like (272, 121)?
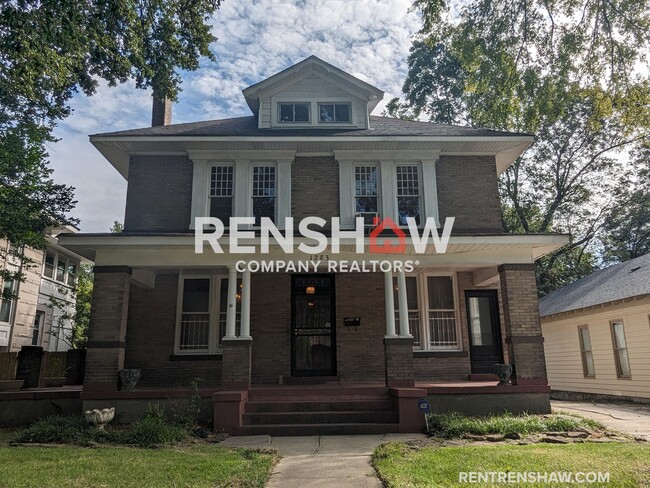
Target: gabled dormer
(312, 94)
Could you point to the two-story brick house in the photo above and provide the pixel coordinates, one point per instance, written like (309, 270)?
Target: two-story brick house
(311, 148)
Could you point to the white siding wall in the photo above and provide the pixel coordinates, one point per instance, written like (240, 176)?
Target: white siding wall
(562, 349)
(312, 89)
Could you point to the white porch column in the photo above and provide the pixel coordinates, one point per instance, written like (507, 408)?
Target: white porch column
(403, 305)
(246, 306)
(231, 311)
(390, 304)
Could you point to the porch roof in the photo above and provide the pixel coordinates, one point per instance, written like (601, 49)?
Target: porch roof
(177, 250)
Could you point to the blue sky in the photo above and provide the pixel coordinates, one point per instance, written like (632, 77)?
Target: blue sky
(367, 38)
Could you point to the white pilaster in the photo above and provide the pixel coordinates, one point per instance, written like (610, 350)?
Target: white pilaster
(246, 306)
(231, 312)
(403, 305)
(390, 304)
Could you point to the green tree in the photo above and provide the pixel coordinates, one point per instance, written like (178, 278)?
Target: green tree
(565, 70)
(79, 316)
(52, 49)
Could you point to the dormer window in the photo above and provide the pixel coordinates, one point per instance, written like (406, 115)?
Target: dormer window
(293, 112)
(334, 112)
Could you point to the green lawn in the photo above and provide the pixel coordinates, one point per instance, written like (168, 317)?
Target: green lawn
(400, 466)
(183, 466)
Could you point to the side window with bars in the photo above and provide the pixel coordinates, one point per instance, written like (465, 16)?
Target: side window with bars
(221, 192)
(264, 192)
(408, 193)
(366, 193)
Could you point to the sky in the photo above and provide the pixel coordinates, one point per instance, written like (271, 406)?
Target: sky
(369, 39)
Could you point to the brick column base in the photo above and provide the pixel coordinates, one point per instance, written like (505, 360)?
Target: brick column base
(236, 364)
(400, 370)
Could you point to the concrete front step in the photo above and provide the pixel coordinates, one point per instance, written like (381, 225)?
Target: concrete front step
(318, 429)
(330, 417)
(320, 405)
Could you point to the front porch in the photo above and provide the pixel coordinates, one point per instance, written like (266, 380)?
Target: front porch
(412, 333)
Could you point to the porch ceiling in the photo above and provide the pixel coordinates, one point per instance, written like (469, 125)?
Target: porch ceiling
(178, 251)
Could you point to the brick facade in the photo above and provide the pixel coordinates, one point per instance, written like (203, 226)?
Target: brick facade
(150, 340)
(107, 329)
(522, 324)
(236, 368)
(468, 191)
(314, 188)
(399, 361)
(159, 194)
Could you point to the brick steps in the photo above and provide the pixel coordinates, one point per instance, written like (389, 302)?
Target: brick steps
(318, 429)
(327, 417)
(327, 410)
(320, 405)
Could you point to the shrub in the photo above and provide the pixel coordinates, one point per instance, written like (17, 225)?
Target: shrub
(153, 430)
(70, 429)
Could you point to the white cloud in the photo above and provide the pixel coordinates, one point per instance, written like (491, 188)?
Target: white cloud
(257, 38)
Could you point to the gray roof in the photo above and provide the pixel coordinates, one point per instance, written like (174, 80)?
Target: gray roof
(247, 126)
(625, 280)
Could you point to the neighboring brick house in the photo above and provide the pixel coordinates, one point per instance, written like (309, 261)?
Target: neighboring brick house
(311, 148)
(33, 318)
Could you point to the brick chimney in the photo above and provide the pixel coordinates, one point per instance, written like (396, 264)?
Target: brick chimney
(161, 113)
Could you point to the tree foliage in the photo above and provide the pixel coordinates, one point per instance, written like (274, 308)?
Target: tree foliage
(52, 49)
(572, 72)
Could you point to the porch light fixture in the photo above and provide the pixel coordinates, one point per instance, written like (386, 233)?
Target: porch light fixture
(310, 290)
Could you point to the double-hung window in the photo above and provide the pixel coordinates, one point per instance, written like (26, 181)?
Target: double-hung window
(408, 193)
(620, 350)
(366, 193)
(264, 192)
(221, 192)
(431, 311)
(586, 352)
(202, 312)
(7, 300)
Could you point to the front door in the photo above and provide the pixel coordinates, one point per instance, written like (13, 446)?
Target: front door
(313, 342)
(484, 331)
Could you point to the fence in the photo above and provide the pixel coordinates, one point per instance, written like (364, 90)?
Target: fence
(40, 368)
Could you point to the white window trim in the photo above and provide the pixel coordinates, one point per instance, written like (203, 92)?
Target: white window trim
(243, 185)
(294, 103)
(334, 102)
(423, 213)
(314, 116)
(214, 346)
(353, 187)
(423, 306)
(68, 261)
(615, 349)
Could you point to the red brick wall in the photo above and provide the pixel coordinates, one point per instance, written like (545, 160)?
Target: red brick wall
(468, 191)
(150, 339)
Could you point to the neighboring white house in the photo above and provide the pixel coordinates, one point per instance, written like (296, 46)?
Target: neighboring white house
(597, 334)
(35, 317)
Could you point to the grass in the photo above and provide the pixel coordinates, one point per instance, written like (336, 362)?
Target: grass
(188, 466)
(400, 466)
(452, 425)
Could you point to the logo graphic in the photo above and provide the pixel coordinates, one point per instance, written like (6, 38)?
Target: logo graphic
(387, 247)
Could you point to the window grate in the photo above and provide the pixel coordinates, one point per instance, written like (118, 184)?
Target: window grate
(442, 328)
(195, 332)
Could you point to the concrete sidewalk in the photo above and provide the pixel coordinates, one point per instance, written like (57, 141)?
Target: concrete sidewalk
(633, 419)
(322, 461)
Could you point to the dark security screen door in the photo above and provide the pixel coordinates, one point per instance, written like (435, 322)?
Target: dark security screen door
(313, 345)
(484, 332)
